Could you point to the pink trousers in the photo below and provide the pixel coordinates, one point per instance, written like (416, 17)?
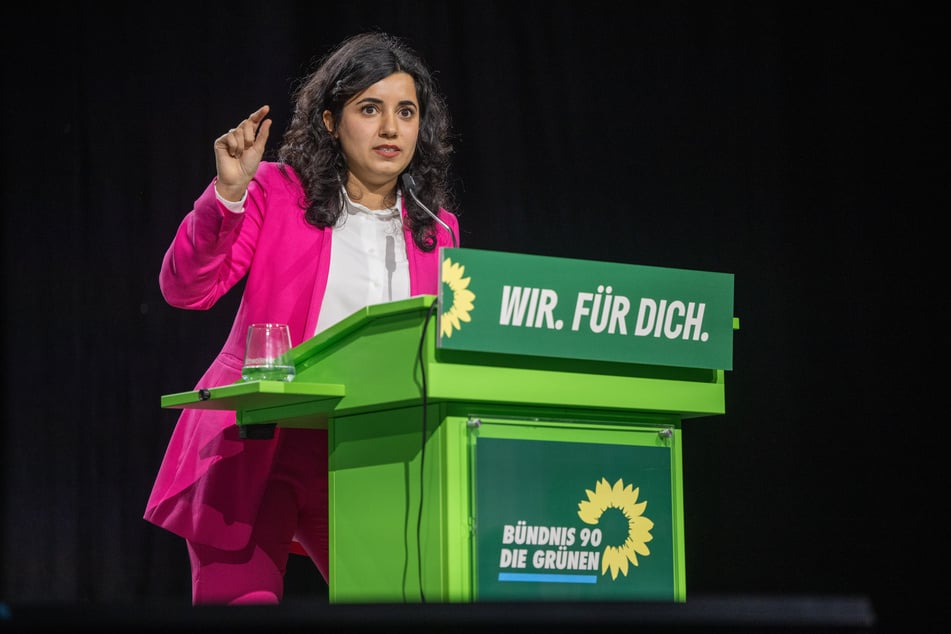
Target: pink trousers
(294, 508)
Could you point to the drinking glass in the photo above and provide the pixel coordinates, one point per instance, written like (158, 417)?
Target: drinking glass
(267, 355)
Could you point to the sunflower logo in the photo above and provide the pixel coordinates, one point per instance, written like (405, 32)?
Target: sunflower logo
(452, 276)
(607, 503)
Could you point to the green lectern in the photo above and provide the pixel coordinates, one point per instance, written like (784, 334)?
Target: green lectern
(517, 437)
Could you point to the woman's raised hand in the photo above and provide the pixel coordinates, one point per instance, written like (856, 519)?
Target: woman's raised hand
(238, 153)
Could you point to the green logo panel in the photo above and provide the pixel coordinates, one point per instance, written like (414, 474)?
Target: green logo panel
(556, 307)
(573, 521)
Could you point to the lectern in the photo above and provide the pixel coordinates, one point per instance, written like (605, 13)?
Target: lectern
(517, 437)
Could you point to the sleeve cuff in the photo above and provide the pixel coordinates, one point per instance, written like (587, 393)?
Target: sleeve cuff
(230, 205)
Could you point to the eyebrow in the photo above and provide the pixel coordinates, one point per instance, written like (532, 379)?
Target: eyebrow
(405, 102)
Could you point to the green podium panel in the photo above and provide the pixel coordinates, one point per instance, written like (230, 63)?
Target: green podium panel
(400, 512)
(497, 508)
(471, 471)
(577, 511)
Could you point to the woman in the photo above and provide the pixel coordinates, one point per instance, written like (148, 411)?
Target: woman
(320, 233)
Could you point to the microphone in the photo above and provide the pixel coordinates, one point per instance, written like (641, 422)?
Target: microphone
(410, 186)
(389, 260)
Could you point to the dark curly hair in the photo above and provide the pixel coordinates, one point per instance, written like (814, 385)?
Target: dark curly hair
(355, 64)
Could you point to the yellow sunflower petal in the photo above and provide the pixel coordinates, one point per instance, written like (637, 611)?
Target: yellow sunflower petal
(459, 284)
(589, 512)
(610, 560)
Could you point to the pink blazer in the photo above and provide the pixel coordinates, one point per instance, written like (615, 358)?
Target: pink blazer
(210, 482)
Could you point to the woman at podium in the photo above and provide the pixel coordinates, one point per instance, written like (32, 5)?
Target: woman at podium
(318, 233)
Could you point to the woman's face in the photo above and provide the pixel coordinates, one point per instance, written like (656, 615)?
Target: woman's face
(377, 132)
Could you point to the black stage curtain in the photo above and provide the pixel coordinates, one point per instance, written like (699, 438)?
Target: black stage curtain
(791, 144)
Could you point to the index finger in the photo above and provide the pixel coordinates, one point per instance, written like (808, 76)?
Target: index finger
(258, 115)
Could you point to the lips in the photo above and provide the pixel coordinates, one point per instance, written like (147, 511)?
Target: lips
(387, 150)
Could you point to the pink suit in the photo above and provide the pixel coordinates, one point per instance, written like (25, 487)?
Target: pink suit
(210, 484)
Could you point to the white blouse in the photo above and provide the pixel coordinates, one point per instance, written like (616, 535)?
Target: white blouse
(368, 263)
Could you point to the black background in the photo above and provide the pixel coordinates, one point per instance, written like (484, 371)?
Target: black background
(792, 144)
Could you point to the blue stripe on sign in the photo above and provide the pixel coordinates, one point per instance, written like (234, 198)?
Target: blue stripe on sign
(540, 578)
